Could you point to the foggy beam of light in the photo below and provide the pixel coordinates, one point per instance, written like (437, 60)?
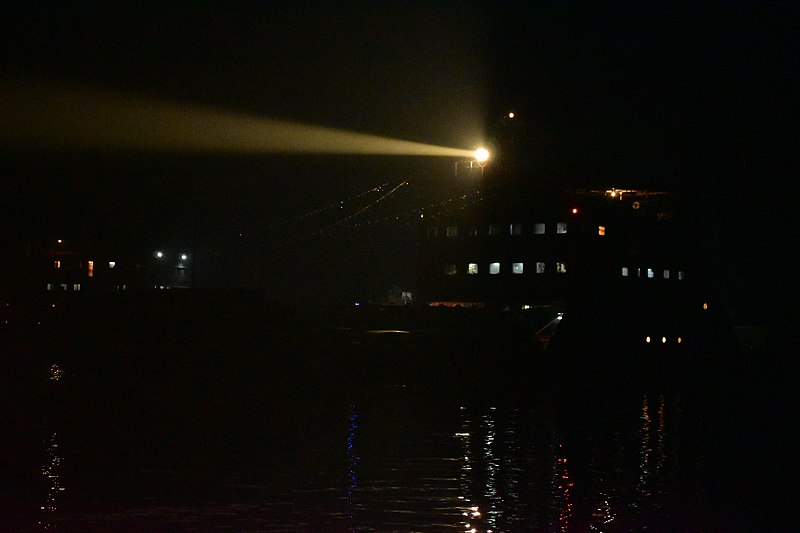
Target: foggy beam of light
(61, 117)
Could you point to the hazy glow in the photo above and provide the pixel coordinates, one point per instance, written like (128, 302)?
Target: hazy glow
(481, 155)
(60, 117)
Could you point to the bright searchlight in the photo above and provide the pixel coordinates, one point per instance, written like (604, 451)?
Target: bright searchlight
(481, 155)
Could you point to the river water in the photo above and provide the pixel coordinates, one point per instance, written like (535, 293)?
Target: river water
(191, 429)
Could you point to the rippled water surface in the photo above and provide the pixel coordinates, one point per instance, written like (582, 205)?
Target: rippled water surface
(332, 434)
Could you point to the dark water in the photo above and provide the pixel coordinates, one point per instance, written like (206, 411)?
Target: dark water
(190, 428)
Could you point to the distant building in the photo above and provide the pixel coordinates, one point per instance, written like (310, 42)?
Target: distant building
(617, 261)
(62, 265)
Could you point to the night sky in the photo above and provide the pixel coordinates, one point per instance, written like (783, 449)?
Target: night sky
(675, 95)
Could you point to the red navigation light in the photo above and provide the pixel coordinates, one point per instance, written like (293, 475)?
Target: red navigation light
(574, 210)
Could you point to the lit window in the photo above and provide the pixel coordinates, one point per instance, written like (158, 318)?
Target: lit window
(112, 264)
(517, 268)
(473, 232)
(561, 268)
(638, 272)
(49, 286)
(63, 286)
(561, 227)
(450, 269)
(666, 274)
(515, 229)
(472, 268)
(538, 229)
(90, 268)
(680, 274)
(76, 287)
(433, 231)
(650, 273)
(57, 264)
(601, 230)
(625, 272)
(451, 231)
(494, 268)
(540, 268)
(494, 229)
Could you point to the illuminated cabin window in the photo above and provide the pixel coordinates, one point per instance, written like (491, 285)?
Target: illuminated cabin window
(473, 232)
(625, 272)
(494, 268)
(49, 286)
(680, 275)
(538, 229)
(494, 229)
(451, 231)
(112, 264)
(666, 274)
(76, 286)
(561, 227)
(90, 268)
(56, 264)
(515, 229)
(561, 268)
(601, 230)
(450, 270)
(433, 231)
(650, 273)
(63, 286)
(540, 268)
(517, 268)
(472, 268)
(638, 272)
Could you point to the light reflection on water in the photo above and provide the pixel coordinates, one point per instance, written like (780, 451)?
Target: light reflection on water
(189, 453)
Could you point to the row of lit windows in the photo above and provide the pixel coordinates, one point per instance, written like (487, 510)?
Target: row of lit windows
(650, 273)
(495, 268)
(75, 287)
(89, 266)
(511, 229)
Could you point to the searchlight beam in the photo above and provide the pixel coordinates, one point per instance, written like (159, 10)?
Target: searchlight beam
(67, 118)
